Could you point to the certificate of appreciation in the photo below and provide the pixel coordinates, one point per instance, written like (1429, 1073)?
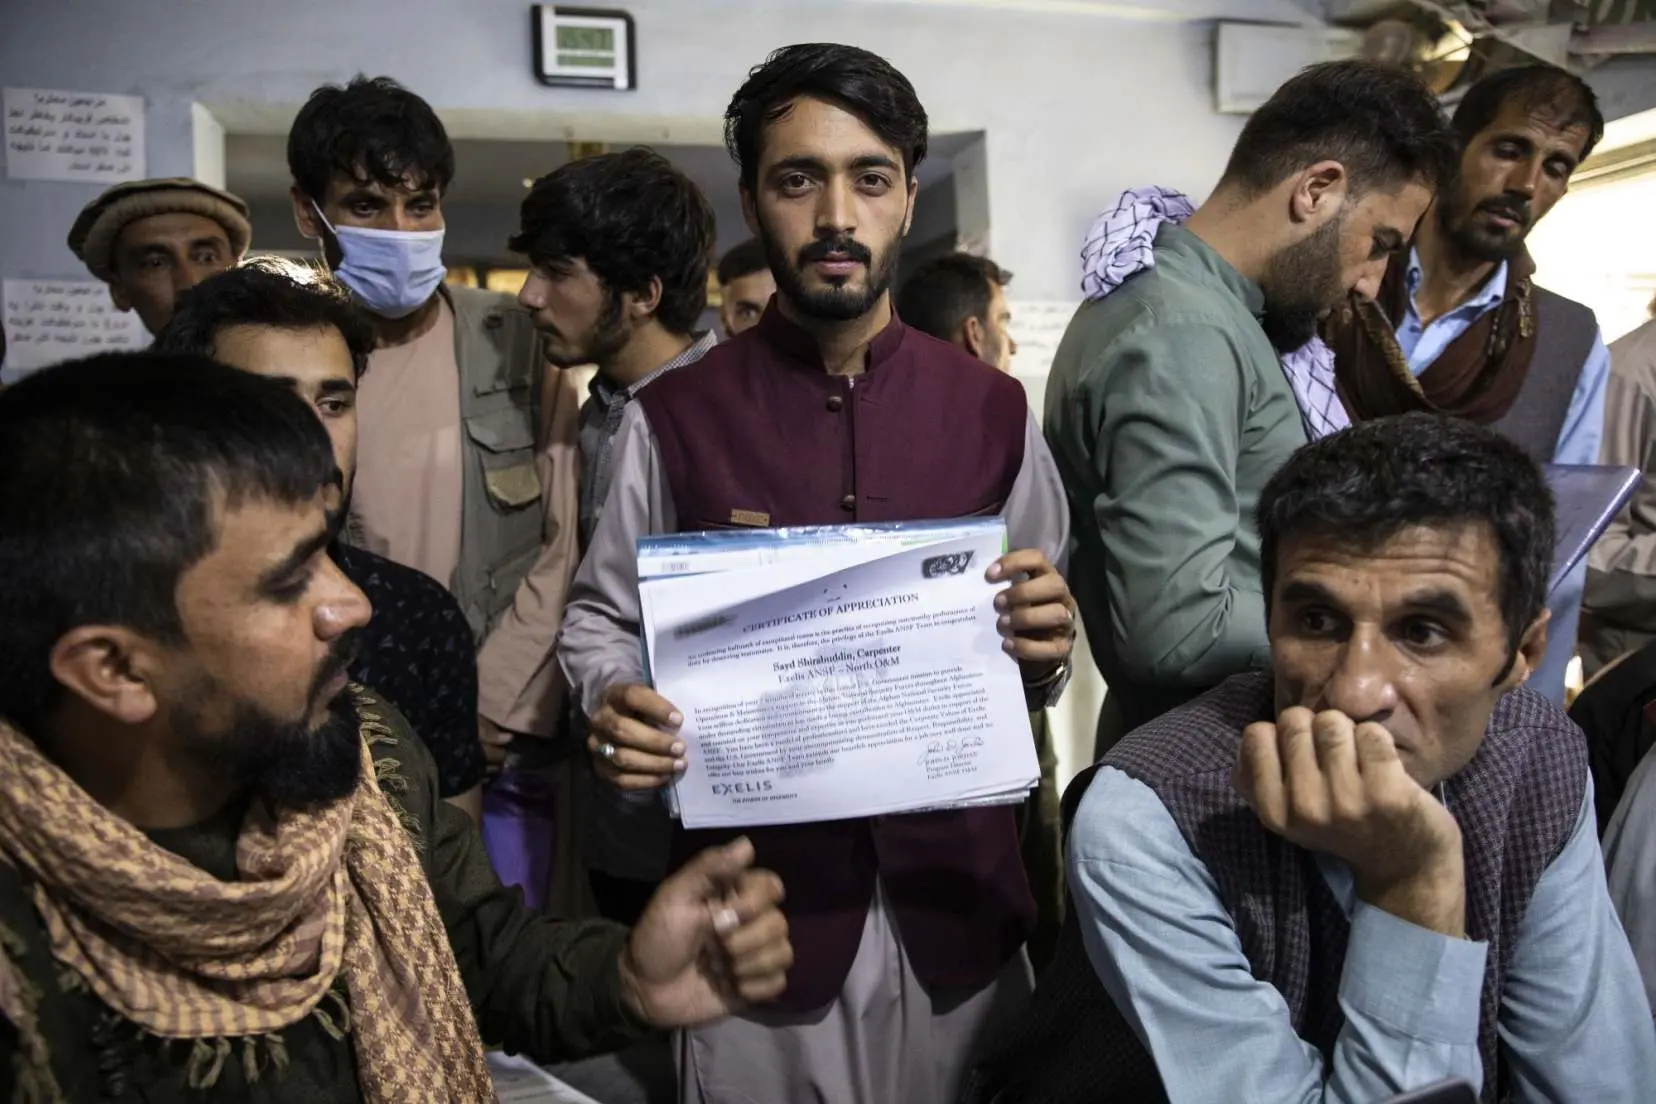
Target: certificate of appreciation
(823, 677)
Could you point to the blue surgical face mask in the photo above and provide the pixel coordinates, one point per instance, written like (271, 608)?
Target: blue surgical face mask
(393, 272)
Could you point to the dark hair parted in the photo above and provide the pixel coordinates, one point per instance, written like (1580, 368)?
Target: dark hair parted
(369, 130)
(742, 260)
(111, 472)
(630, 216)
(1555, 94)
(1379, 122)
(942, 293)
(862, 83)
(1363, 485)
(272, 292)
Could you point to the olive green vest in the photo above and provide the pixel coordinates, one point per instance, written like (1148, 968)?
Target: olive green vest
(501, 366)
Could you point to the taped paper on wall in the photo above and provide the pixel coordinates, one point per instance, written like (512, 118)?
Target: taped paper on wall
(1037, 326)
(91, 137)
(48, 321)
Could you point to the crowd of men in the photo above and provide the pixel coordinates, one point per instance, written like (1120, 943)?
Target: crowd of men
(346, 559)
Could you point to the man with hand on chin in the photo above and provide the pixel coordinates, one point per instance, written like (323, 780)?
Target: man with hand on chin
(1374, 866)
(832, 410)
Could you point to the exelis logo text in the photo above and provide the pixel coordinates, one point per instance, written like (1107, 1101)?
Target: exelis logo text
(722, 789)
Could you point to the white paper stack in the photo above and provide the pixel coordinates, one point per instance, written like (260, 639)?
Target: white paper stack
(835, 671)
(519, 1081)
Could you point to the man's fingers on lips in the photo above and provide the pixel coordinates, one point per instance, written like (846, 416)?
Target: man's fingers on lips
(1375, 747)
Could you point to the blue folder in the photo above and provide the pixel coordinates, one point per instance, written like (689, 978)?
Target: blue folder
(1588, 499)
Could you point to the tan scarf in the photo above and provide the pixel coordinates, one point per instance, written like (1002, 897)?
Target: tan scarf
(1477, 376)
(337, 893)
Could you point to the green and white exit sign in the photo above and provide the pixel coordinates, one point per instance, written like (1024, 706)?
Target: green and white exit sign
(584, 47)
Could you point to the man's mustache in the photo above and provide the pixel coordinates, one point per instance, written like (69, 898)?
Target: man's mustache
(1517, 210)
(833, 249)
(341, 654)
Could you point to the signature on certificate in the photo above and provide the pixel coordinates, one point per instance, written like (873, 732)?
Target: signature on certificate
(945, 757)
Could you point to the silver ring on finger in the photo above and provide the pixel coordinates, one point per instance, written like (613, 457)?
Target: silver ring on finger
(607, 751)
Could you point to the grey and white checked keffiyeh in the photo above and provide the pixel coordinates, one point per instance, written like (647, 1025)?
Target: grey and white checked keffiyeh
(1121, 244)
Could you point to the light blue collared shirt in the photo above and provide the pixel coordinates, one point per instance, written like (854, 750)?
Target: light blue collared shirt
(1578, 442)
(1574, 1024)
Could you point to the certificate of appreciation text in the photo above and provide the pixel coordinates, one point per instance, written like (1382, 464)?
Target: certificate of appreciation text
(856, 683)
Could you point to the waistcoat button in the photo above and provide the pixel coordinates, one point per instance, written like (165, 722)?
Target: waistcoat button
(849, 502)
(834, 403)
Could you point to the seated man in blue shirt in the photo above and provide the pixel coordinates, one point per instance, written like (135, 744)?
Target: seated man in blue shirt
(1374, 866)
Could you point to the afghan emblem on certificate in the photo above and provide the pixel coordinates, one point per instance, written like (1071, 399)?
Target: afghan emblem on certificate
(935, 567)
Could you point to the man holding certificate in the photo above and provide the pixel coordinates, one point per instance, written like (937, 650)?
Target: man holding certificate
(832, 411)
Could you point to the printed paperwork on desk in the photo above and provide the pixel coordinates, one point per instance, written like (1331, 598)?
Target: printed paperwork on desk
(1587, 499)
(519, 1081)
(829, 672)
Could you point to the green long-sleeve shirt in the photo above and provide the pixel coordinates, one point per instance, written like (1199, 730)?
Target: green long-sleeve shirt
(546, 988)
(1167, 410)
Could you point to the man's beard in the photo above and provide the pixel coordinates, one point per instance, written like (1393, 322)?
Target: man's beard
(1301, 285)
(609, 335)
(994, 349)
(1476, 240)
(339, 517)
(288, 763)
(834, 303)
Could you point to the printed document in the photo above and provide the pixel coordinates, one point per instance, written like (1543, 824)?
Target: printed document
(822, 678)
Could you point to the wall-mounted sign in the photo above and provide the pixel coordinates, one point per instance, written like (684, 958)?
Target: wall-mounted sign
(48, 321)
(92, 137)
(584, 47)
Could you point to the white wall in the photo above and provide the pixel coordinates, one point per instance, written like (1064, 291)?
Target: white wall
(1074, 106)
(1598, 246)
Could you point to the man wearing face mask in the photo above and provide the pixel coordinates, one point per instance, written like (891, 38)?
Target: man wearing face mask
(1458, 326)
(466, 457)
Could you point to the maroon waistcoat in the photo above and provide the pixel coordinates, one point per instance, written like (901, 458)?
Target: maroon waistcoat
(759, 433)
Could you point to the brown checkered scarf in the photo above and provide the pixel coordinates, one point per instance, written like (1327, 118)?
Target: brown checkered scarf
(337, 893)
(1477, 376)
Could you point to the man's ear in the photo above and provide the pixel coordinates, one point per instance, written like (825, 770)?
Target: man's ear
(908, 217)
(118, 296)
(1318, 192)
(642, 305)
(1532, 650)
(971, 336)
(305, 216)
(750, 212)
(110, 668)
